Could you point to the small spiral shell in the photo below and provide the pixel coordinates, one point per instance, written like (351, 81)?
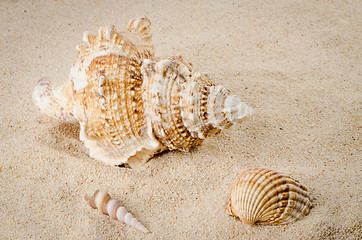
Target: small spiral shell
(111, 207)
(267, 197)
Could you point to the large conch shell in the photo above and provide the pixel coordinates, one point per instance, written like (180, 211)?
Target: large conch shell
(267, 197)
(104, 203)
(131, 105)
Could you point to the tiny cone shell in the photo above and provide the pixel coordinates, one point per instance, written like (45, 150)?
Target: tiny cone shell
(102, 201)
(266, 197)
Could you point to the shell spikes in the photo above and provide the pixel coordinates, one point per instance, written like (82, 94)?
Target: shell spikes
(141, 26)
(267, 197)
(111, 207)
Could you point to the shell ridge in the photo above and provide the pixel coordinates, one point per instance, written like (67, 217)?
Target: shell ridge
(192, 107)
(294, 210)
(165, 105)
(274, 203)
(266, 188)
(161, 88)
(181, 129)
(174, 99)
(249, 192)
(271, 182)
(294, 193)
(245, 195)
(80, 67)
(271, 195)
(242, 195)
(216, 116)
(117, 117)
(258, 189)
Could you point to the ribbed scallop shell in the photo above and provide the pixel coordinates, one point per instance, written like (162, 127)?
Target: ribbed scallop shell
(267, 197)
(131, 105)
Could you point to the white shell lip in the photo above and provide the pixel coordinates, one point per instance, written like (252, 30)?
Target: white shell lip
(97, 152)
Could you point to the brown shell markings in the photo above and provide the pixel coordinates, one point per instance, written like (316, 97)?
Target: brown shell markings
(266, 197)
(131, 105)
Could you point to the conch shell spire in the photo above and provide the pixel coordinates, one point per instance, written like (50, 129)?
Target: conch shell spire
(225, 109)
(176, 98)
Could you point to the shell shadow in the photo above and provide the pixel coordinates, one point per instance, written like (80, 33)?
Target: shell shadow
(64, 137)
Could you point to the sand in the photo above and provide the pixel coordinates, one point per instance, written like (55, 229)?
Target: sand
(297, 63)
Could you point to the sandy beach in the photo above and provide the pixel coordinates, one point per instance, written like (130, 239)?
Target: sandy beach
(297, 63)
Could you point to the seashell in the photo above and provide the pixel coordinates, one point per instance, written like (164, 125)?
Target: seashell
(111, 207)
(267, 197)
(131, 105)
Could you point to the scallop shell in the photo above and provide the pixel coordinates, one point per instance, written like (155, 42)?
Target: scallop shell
(267, 197)
(131, 105)
(111, 207)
